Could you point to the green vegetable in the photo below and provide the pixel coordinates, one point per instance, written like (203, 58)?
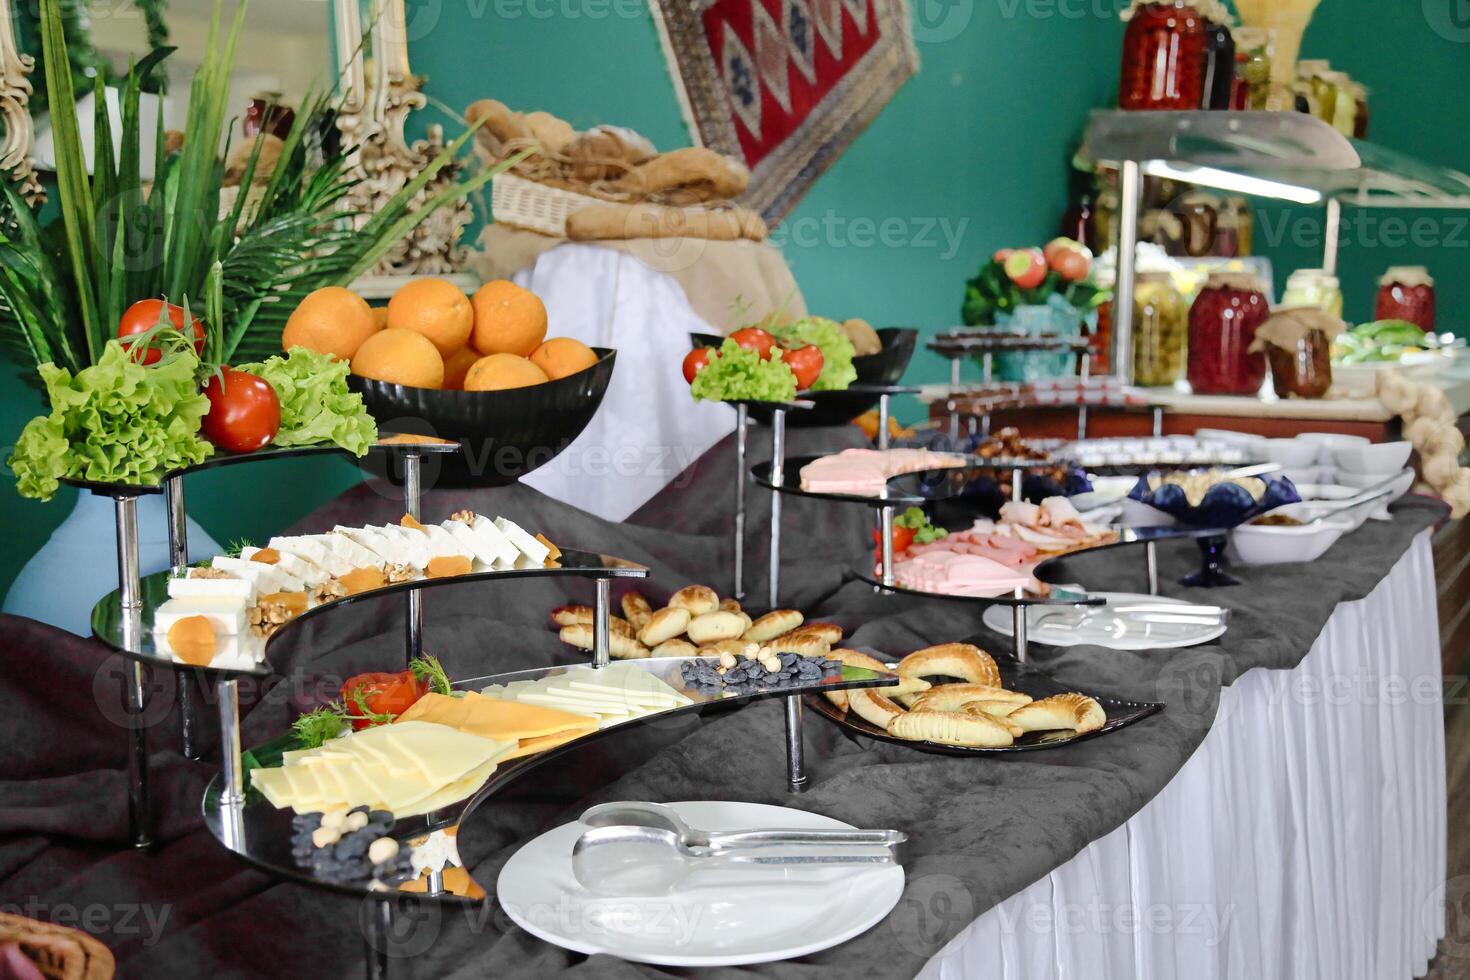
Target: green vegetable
(831, 340)
(431, 672)
(734, 373)
(320, 726)
(114, 422)
(316, 406)
(918, 521)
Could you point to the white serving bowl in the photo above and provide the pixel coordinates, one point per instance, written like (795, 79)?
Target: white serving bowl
(1381, 458)
(1245, 440)
(1324, 491)
(1318, 498)
(1302, 474)
(1254, 544)
(1105, 490)
(1290, 453)
(1326, 442)
(1400, 486)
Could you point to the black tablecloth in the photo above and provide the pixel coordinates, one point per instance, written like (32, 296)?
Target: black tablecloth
(981, 829)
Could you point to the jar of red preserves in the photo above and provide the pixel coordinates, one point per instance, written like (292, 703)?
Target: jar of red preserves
(1163, 57)
(1222, 326)
(1406, 292)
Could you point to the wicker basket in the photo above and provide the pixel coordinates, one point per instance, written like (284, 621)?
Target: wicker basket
(526, 204)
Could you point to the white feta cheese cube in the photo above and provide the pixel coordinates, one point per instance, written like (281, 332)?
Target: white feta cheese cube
(225, 613)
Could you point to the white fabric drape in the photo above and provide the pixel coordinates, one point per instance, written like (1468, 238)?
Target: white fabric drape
(1304, 838)
(649, 428)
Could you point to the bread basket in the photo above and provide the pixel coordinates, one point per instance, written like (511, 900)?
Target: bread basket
(524, 203)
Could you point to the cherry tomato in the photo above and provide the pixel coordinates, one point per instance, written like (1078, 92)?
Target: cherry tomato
(902, 538)
(694, 361)
(144, 315)
(380, 694)
(806, 363)
(756, 339)
(244, 411)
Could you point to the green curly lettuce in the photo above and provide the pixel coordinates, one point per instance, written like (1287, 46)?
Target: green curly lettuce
(737, 374)
(316, 406)
(831, 340)
(114, 422)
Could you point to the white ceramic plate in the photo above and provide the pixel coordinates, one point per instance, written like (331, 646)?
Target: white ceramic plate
(718, 918)
(1105, 490)
(1105, 629)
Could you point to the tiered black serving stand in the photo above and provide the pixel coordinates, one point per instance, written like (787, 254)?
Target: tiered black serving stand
(962, 344)
(240, 819)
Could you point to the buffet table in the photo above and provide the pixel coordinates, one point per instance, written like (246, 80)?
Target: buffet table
(1163, 812)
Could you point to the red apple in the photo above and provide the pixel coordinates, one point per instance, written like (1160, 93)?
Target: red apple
(1072, 260)
(1026, 267)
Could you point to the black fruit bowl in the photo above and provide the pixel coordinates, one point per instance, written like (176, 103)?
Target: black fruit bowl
(503, 435)
(841, 407)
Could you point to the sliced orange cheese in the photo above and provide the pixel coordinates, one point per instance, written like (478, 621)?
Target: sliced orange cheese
(447, 566)
(363, 580)
(409, 439)
(532, 727)
(193, 641)
(266, 556)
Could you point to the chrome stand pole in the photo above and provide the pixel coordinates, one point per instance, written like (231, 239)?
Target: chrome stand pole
(1131, 191)
(778, 468)
(742, 427)
(232, 771)
(130, 591)
(378, 929)
(885, 542)
(1331, 234)
(435, 884)
(1018, 621)
(412, 500)
(954, 419)
(954, 372)
(1158, 422)
(1151, 560)
(602, 625)
(795, 751)
(178, 559)
(882, 422)
(1016, 484)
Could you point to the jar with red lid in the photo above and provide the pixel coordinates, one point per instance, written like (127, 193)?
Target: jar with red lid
(1163, 57)
(1406, 292)
(1222, 327)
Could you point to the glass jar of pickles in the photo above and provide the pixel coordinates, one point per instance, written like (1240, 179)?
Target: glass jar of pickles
(1222, 327)
(1406, 292)
(1161, 326)
(1298, 346)
(1314, 288)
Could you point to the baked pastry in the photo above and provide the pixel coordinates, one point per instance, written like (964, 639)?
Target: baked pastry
(905, 685)
(773, 624)
(872, 707)
(977, 708)
(612, 221)
(664, 625)
(552, 132)
(717, 625)
(572, 615)
(607, 152)
(501, 123)
(688, 175)
(731, 605)
(951, 728)
(677, 647)
(830, 632)
(698, 599)
(1074, 711)
(962, 660)
(865, 340)
(951, 697)
(995, 709)
(621, 647)
(637, 609)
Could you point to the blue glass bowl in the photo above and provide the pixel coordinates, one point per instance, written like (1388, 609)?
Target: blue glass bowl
(1225, 505)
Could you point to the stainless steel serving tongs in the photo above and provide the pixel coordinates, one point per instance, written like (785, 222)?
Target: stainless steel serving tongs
(662, 817)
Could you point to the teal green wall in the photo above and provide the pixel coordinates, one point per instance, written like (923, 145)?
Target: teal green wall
(976, 144)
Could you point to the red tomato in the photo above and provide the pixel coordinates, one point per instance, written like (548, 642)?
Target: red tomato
(144, 315)
(244, 411)
(756, 339)
(806, 363)
(694, 361)
(380, 694)
(902, 538)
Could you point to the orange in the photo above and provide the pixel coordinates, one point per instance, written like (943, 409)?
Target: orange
(437, 309)
(560, 357)
(457, 365)
(331, 320)
(500, 371)
(401, 357)
(508, 319)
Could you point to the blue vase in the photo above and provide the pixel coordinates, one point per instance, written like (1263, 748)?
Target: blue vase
(78, 564)
(1056, 316)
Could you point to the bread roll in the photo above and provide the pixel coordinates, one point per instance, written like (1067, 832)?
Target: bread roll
(637, 609)
(572, 615)
(621, 647)
(773, 624)
(806, 646)
(688, 175)
(550, 131)
(664, 625)
(677, 647)
(698, 599)
(713, 626)
(830, 632)
(730, 605)
(606, 153)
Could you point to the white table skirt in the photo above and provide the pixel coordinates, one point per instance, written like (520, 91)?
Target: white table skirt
(1304, 838)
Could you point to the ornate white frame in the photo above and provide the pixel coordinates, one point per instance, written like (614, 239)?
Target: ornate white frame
(379, 92)
(15, 110)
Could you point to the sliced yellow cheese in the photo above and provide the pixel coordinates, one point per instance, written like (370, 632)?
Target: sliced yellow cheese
(272, 783)
(442, 754)
(530, 746)
(494, 719)
(450, 794)
(305, 790)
